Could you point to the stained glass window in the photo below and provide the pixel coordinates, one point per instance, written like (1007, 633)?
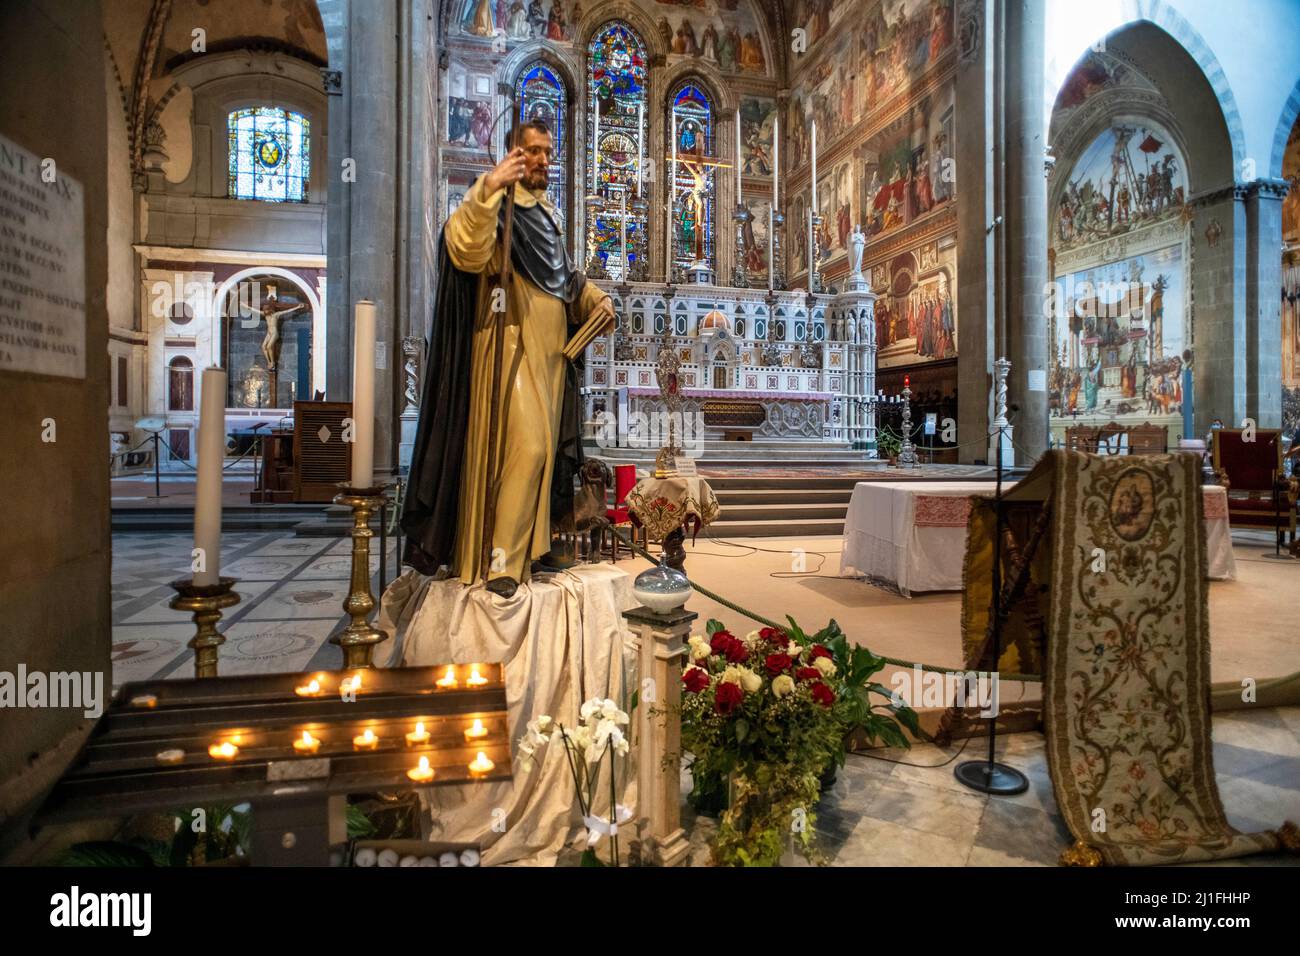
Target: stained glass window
(616, 107)
(270, 154)
(541, 96)
(693, 186)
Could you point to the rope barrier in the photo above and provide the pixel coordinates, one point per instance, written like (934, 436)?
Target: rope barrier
(746, 612)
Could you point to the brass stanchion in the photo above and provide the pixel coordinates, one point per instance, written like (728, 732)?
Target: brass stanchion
(205, 602)
(359, 638)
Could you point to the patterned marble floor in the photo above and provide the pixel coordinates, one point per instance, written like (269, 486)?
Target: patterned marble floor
(882, 813)
(292, 592)
(893, 808)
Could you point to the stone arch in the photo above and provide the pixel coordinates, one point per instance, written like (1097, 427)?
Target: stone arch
(602, 13)
(1163, 16)
(1286, 122)
(216, 310)
(707, 77)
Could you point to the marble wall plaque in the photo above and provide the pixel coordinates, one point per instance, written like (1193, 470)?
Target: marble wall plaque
(42, 267)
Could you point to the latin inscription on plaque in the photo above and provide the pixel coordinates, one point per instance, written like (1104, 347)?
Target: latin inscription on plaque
(42, 266)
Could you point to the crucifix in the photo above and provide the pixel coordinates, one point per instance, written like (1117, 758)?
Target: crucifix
(273, 312)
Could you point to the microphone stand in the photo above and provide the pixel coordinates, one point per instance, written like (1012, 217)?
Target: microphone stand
(989, 776)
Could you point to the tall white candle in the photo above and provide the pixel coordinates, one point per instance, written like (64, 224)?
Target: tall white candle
(622, 231)
(771, 231)
(640, 146)
(207, 491)
(814, 166)
(363, 395)
(739, 185)
(776, 162)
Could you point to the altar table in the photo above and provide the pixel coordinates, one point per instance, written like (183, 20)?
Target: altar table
(912, 535)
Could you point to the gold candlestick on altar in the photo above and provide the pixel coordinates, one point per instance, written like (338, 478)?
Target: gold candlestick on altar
(359, 638)
(205, 602)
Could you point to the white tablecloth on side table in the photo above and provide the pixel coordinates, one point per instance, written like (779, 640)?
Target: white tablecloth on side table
(912, 534)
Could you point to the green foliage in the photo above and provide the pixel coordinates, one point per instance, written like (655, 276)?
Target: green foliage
(103, 853)
(360, 826)
(776, 742)
(888, 443)
(227, 833)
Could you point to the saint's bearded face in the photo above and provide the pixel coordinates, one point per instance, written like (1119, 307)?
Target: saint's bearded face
(537, 155)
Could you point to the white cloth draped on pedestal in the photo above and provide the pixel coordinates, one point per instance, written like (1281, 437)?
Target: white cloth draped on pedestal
(562, 640)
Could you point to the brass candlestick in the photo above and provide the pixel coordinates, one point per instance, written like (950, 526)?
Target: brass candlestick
(205, 602)
(359, 638)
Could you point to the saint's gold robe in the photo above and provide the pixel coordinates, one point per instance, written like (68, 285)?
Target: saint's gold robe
(532, 380)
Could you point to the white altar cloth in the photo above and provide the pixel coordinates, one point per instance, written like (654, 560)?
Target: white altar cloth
(562, 640)
(912, 534)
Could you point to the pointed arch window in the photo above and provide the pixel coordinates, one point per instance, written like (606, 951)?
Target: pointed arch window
(617, 144)
(269, 154)
(694, 177)
(541, 95)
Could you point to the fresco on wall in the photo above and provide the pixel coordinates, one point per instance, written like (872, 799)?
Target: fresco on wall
(520, 19)
(835, 206)
(469, 108)
(916, 314)
(725, 33)
(816, 17)
(1291, 284)
(796, 231)
(901, 42)
(907, 169)
(722, 32)
(757, 124)
(1119, 342)
(1130, 176)
(756, 232)
(1096, 72)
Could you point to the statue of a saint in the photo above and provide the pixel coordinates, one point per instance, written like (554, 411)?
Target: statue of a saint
(857, 243)
(538, 409)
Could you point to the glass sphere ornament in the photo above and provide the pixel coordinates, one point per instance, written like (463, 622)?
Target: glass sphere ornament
(661, 588)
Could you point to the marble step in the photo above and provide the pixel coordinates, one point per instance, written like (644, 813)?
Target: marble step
(782, 510)
(776, 528)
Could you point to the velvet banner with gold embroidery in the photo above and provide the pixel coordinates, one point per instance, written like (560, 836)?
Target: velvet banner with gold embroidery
(1127, 686)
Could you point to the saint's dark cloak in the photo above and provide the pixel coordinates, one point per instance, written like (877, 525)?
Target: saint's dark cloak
(431, 507)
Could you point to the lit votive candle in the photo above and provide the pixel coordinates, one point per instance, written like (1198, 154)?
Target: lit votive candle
(366, 741)
(448, 680)
(475, 678)
(223, 751)
(418, 736)
(310, 689)
(481, 765)
(172, 756)
(147, 701)
(350, 685)
(476, 731)
(422, 773)
(307, 744)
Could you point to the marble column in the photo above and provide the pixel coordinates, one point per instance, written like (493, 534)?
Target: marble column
(1026, 225)
(975, 285)
(1263, 306)
(660, 641)
(857, 311)
(382, 79)
(1217, 290)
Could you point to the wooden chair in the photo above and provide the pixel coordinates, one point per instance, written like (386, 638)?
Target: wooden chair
(1110, 439)
(624, 481)
(1258, 494)
(1081, 438)
(1147, 439)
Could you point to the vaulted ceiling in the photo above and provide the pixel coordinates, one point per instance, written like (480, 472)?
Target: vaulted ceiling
(146, 39)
